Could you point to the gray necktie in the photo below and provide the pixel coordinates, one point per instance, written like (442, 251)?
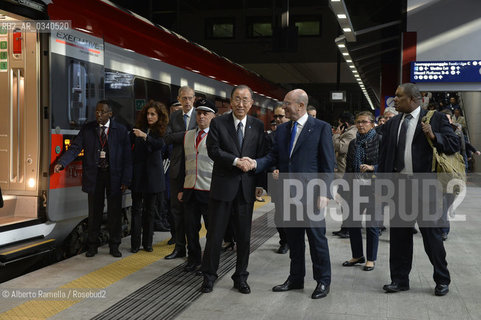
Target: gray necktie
(240, 134)
(401, 144)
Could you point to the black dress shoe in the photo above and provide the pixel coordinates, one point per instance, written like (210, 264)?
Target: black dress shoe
(242, 286)
(394, 287)
(441, 289)
(190, 267)
(336, 233)
(171, 241)
(149, 249)
(288, 285)
(175, 254)
(350, 264)
(115, 252)
(320, 292)
(283, 249)
(343, 234)
(368, 268)
(207, 286)
(134, 250)
(228, 246)
(91, 252)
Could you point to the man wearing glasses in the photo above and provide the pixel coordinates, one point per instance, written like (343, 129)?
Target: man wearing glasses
(280, 118)
(231, 137)
(106, 170)
(180, 121)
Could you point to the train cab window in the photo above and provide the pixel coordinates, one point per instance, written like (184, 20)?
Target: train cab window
(145, 90)
(223, 28)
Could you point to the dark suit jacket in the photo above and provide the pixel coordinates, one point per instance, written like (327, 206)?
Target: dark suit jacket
(223, 148)
(148, 167)
(313, 152)
(175, 136)
(120, 161)
(446, 141)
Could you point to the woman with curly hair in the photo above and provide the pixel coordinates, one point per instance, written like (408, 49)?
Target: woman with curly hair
(148, 175)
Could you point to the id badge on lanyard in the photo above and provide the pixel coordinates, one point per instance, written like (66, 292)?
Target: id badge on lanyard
(103, 154)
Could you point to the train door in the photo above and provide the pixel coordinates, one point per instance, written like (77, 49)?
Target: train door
(19, 125)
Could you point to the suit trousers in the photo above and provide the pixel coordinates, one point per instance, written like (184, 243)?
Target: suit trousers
(321, 263)
(143, 209)
(177, 211)
(194, 210)
(96, 210)
(401, 254)
(219, 214)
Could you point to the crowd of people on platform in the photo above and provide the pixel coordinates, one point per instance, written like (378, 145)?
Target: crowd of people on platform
(214, 169)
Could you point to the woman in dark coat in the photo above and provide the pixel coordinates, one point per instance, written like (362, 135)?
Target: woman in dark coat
(148, 175)
(361, 162)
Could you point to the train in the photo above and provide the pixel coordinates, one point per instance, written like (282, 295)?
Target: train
(51, 77)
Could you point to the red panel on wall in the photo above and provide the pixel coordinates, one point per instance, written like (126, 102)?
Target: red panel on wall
(409, 54)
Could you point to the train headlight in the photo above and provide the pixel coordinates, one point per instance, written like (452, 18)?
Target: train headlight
(31, 182)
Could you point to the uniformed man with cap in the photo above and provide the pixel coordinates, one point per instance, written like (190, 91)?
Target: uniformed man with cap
(198, 174)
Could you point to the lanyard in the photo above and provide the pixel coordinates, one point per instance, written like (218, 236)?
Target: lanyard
(103, 142)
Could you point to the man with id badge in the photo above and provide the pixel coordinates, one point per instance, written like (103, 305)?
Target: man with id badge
(106, 171)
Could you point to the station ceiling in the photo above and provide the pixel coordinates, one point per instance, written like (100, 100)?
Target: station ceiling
(377, 23)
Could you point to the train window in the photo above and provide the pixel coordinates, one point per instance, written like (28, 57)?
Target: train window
(119, 93)
(308, 26)
(220, 28)
(77, 93)
(145, 90)
(258, 27)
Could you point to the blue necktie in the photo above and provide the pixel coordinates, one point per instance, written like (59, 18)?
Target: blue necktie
(185, 120)
(293, 136)
(240, 135)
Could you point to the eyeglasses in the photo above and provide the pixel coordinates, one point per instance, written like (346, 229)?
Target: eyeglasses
(278, 116)
(363, 122)
(101, 113)
(238, 100)
(287, 103)
(186, 98)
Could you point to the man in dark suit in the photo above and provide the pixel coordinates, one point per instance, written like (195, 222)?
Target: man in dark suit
(232, 137)
(304, 146)
(406, 151)
(180, 121)
(280, 118)
(106, 169)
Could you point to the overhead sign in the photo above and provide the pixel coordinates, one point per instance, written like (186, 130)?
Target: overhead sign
(78, 45)
(446, 71)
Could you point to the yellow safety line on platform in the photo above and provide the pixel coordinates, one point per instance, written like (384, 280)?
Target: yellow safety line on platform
(95, 281)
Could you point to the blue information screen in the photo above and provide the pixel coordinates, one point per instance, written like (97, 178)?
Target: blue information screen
(446, 71)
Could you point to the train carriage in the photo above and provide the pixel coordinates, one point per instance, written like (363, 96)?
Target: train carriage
(50, 80)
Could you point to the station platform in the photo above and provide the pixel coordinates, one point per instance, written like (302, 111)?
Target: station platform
(146, 286)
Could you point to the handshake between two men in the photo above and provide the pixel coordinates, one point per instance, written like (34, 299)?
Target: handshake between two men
(246, 164)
